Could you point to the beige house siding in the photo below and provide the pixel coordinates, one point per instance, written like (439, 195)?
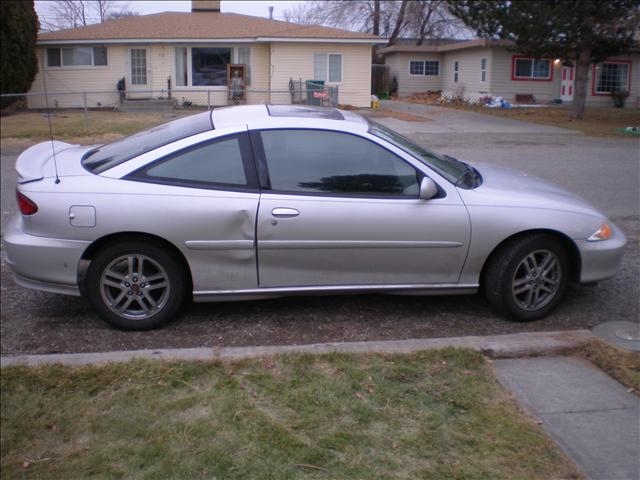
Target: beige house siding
(408, 84)
(271, 66)
(289, 60)
(62, 82)
(504, 86)
(470, 84)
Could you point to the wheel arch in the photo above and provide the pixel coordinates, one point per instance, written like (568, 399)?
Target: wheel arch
(100, 243)
(568, 244)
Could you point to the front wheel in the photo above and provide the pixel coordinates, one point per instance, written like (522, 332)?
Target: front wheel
(527, 279)
(135, 285)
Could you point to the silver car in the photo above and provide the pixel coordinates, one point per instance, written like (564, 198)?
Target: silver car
(261, 201)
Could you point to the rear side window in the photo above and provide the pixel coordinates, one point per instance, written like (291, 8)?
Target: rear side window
(318, 161)
(110, 155)
(222, 163)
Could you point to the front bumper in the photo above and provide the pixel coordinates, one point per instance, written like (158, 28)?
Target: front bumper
(601, 260)
(42, 263)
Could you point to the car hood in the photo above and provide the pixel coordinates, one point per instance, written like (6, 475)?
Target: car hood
(507, 187)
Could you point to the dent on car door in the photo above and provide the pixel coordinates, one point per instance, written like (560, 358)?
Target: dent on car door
(342, 210)
(205, 202)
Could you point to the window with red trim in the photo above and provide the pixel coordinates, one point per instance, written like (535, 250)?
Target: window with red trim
(525, 68)
(611, 77)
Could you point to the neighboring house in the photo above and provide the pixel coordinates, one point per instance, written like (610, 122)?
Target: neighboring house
(476, 68)
(191, 51)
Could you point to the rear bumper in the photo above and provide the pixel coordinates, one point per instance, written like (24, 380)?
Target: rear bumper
(601, 260)
(41, 263)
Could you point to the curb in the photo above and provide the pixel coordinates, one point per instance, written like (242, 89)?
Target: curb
(495, 346)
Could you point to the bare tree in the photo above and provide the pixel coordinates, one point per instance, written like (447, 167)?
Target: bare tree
(394, 19)
(121, 14)
(77, 13)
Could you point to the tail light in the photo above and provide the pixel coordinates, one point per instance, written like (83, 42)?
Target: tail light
(25, 204)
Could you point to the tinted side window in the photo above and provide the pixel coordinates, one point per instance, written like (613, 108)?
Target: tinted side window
(112, 154)
(317, 161)
(216, 163)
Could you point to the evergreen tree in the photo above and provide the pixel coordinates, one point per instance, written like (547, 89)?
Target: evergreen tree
(581, 32)
(18, 35)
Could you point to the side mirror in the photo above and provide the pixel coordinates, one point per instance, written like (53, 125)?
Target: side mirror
(428, 189)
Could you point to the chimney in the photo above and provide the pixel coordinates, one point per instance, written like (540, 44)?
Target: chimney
(270, 12)
(205, 6)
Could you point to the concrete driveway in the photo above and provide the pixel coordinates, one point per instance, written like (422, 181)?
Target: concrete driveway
(605, 171)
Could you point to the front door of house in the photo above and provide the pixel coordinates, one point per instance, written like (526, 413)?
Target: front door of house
(139, 83)
(566, 84)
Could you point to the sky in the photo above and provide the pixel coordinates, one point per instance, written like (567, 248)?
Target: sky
(247, 7)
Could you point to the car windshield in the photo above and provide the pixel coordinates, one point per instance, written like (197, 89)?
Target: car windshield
(448, 167)
(108, 156)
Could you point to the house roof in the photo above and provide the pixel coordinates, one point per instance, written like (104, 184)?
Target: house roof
(446, 47)
(205, 26)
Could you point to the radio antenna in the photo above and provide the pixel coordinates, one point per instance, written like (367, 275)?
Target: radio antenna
(46, 103)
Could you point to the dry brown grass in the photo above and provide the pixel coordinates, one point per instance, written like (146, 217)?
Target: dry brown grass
(623, 365)
(600, 122)
(25, 128)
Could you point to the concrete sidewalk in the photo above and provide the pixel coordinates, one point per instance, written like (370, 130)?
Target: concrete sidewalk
(497, 346)
(591, 416)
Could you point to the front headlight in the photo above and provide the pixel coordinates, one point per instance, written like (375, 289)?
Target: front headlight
(603, 233)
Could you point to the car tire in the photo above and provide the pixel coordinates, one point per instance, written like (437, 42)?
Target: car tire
(526, 279)
(135, 285)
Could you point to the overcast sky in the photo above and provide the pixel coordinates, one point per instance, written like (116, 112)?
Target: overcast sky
(247, 7)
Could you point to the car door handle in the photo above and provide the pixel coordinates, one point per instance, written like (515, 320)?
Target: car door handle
(285, 212)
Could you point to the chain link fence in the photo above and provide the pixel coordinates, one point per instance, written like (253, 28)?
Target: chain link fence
(299, 92)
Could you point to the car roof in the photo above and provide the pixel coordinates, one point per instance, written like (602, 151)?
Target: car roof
(287, 116)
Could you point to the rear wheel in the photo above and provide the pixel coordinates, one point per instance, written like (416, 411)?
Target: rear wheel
(527, 278)
(135, 285)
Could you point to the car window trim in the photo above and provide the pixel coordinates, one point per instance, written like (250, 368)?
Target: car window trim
(248, 166)
(265, 180)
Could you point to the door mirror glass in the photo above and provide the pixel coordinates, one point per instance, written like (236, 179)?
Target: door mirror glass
(428, 188)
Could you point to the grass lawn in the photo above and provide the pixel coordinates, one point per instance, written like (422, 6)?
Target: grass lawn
(602, 122)
(25, 128)
(428, 415)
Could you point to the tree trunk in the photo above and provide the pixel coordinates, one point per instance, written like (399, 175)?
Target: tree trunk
(376, 17)
(399, 23)
(582, 73)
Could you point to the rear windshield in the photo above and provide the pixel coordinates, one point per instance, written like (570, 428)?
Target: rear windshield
(108, 156)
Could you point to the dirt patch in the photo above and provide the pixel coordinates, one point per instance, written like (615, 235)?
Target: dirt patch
(407, 117)
(427, 98)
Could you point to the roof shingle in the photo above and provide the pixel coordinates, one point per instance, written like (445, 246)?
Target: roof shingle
(199, 25)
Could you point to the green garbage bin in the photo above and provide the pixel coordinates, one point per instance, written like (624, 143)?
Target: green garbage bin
(314, 86)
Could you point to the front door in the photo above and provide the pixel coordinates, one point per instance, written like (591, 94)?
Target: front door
(566, 84)
(139, 83)
(343, 211)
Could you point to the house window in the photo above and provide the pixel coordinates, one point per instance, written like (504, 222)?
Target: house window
(327, 67)
(244, 58)
(611, 76)
(456, 71)
(431, 67)
(209, 66)
(531, 69)
(77, 57)
(424, 67)
(483, 69)
(416, 67)
(181, 67)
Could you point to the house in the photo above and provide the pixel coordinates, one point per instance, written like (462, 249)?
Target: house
(190, 53)
(475, 68)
